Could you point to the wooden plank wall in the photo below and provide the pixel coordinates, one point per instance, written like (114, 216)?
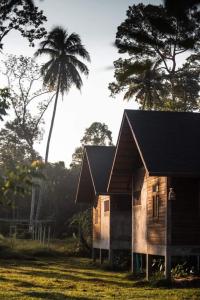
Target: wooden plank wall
(185, 212)
(156, 227)
(105, 222)
(97, 226)
(101, 229)
(120, 222)
(139, 203)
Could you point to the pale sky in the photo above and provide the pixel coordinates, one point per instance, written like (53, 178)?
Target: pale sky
(96, 22)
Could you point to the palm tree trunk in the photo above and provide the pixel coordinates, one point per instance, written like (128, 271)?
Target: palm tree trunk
(52, 121)
(42, 186)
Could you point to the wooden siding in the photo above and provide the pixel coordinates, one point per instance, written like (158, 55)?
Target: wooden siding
(97, 223)
(139, 186)
(120, 222)
(147, 229)
(185, 212)
(156, 226)
(101, 229)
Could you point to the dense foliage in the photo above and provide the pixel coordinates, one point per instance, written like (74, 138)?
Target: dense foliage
(96, 134)
(23, 17)
(156, 42)
(4, 102)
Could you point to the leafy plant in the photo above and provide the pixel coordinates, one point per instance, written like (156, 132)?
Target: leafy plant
(81, 223)
(19, 181)
(181, 270)
(4, 102)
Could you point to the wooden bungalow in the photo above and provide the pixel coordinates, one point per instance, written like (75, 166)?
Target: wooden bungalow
(111, 212)
(157, 160)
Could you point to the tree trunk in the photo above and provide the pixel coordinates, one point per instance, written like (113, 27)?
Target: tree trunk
(42, 187)
(52, 121)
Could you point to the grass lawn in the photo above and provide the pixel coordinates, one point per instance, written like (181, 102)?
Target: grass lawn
(76, 278)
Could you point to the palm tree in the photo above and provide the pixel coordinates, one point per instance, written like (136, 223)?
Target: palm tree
(146, 84)
(62, 69)
(140, 79)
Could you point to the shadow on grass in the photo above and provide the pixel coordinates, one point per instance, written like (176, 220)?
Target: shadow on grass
(77, 278)
(52, 296)
(21, 283)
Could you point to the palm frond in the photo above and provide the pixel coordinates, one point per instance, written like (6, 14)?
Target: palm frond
(63, 66)
(77, 63)
(79, 50)
(48, 51)
(73, 39)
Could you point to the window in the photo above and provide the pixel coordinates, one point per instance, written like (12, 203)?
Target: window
(137, 198)
(155, 209)
(155, 188)
(96, 215)
(106, 206)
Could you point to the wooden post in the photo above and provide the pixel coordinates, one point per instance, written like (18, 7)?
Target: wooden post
(110, 257)
(167, 266)
(133, 263)
(93, 254)
(148, 266)
(49, 235)
(198, 264)
(40, 233)
(100, 256)
(132, 232)
(44, 233)
(32, 208)
(36, 232)
(168, 222)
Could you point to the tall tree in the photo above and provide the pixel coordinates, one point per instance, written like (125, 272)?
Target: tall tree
(150, 34)
(96, 134)
(23, 16)
(62, 70)
(29, 100)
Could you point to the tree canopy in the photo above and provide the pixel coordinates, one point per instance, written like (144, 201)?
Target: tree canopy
(155, 42)
(96, 134)
(22, 16)
(29, 101)
(180, 8)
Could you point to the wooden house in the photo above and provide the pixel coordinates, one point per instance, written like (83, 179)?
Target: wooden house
(157, 160)
(111, 212)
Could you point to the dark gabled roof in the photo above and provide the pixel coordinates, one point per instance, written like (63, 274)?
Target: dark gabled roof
(165, 143)
(95, 172)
